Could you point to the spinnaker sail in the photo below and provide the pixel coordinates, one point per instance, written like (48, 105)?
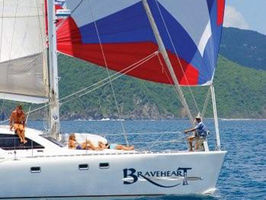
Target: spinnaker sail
(116, 34)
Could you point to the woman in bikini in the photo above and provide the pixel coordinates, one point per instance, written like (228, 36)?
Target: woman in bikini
(73, 144)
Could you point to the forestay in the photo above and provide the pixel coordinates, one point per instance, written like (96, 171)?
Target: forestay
(120, 31)
(23, 60)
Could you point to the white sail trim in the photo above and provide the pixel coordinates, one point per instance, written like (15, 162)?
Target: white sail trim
(188, 13)
(22, 98)
(205, 38)
(23, 59)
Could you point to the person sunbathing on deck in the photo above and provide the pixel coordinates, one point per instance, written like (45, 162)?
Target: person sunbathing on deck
(102, 146)
(73, 144)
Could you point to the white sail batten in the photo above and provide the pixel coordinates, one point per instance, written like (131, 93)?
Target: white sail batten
(27, 99)
(23, 59)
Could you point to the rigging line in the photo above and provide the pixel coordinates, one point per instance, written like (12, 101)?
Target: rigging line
(156, 141)
(84, 107)
(28, 115)
(120, 73)
(116, 76)
(112, 88)
(37, 109)
(160, 142)
(177, 57)
(206, 103)
(169, 79)
(145, 133)
(2, 110)
(104, 83)
(45, 121)
(78, 5)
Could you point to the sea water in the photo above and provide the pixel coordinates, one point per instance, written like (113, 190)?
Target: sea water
(243, 175)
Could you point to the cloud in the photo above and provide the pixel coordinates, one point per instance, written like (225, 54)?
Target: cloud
(234, 18)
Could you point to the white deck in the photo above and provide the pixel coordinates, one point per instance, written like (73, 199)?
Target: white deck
(55, 171)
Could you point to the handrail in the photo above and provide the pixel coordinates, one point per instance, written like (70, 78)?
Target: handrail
(143, 133)
(151, 141)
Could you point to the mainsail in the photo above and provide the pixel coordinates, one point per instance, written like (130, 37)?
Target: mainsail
(23, 60)
(116, 34)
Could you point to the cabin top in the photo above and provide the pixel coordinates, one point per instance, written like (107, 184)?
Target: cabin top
(40, 144)
(36, 140)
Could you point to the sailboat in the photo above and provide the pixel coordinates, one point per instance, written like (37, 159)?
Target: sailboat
(165, 41)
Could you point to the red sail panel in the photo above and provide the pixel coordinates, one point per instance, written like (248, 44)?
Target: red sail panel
(121, 56)
(122, 29)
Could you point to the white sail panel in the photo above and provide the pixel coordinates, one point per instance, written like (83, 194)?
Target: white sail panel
(188, 13)
(23, 65)
(82, 9)
(190, 30)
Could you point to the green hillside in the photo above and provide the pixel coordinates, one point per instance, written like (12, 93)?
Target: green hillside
(245, 47)
(240, 93)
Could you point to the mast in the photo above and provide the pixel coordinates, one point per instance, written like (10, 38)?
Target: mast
(54, 122)
(218, 142)
(166, 58)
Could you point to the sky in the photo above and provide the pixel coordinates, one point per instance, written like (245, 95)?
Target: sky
(246, 14)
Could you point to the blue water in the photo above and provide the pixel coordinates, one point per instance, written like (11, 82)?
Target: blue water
(243, 175)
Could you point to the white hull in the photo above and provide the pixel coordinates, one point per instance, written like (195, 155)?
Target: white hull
(60, 176)
(43, 168)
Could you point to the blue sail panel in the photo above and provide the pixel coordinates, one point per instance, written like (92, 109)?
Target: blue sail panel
(190, 30)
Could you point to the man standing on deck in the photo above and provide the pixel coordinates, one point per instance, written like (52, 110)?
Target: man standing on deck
(200, 134)
(17, 121)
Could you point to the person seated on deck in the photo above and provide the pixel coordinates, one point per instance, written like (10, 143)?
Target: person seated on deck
(17, 121)
(200, 134)
(102, 146)
(73, 144)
